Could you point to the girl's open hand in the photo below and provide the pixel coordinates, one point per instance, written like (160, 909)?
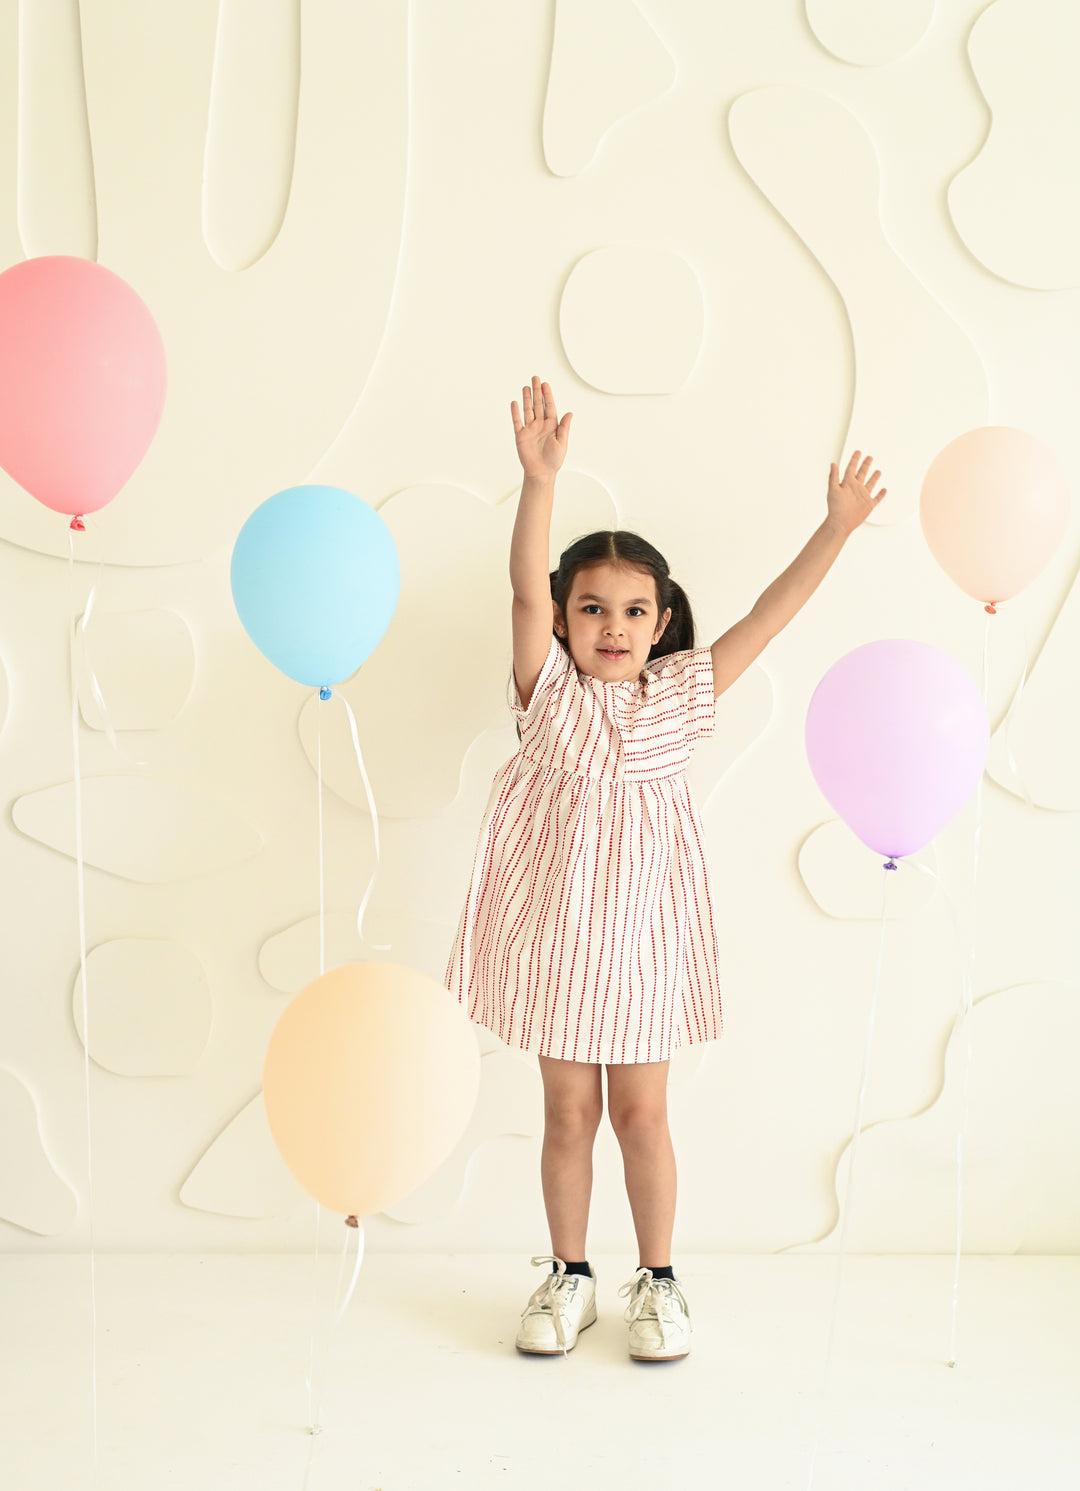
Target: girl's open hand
(852, 500)
(540, 435)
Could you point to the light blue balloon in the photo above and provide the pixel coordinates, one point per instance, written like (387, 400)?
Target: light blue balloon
(315, 579)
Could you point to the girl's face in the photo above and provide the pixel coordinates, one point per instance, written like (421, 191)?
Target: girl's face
(611, 621)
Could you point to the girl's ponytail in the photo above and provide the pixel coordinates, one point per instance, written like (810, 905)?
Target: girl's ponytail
(679, 633)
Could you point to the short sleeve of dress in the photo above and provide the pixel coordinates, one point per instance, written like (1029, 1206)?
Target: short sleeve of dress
(688, 678)
(556, 665)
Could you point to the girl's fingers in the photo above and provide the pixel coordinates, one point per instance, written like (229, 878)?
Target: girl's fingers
(865, 467)
(851, 464)
(875, 478)
(538, 402)
(549, 403)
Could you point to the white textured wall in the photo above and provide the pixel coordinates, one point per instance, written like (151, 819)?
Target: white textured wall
(727, 234)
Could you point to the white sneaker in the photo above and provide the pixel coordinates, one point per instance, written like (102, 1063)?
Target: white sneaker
(659, 1318)
(563, 1305)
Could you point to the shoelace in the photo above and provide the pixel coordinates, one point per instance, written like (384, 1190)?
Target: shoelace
(547, 1297)
(657, 1296)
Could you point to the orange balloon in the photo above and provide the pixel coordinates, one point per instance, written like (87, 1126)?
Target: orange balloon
(994, 507)
(371, 1075)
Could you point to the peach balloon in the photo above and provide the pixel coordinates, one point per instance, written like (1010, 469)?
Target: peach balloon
(371, 1076)
(994, 507)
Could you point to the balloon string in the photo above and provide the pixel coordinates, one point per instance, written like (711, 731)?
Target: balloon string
(82, 662)
(80, 881)
(1007, 726)
(966, 1004)
(376, 946)
(354, 1225)
(964, 1014)
(322, 970)
(313, 1445)
(849, 1199)
(338, 1308)
(322, 865)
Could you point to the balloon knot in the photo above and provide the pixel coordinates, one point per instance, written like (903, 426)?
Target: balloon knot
(890, 864)
(991, 609)
(78, 526)
(351, 1222)
(324, 692)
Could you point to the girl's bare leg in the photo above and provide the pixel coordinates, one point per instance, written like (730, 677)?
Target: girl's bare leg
(637, 1107)
(573, 1105)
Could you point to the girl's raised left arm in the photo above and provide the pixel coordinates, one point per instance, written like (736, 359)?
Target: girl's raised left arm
(851, 501)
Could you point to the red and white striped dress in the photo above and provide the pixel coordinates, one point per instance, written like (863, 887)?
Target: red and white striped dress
(587, 933)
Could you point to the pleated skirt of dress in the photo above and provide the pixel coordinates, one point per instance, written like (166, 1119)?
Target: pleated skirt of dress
(588, 930)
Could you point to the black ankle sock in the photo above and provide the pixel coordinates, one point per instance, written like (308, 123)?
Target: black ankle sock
(661, 1273)
(574, 1268)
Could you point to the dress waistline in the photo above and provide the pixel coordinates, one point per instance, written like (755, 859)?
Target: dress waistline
(590, 776)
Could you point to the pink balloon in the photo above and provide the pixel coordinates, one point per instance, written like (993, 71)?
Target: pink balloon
(993, 508)
(897, 737)
(82, 381)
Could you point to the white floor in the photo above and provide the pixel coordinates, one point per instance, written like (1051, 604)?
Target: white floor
(202, 1363)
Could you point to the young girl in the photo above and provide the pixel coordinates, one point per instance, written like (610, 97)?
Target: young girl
(587, 934)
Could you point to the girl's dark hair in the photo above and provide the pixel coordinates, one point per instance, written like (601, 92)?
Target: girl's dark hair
(620, 547)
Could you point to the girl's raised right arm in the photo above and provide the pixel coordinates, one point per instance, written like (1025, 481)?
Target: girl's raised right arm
(541, 446)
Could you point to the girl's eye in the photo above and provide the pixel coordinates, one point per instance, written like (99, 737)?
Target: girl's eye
(594, 607)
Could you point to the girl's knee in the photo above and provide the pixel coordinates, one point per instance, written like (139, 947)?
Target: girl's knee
(573, 1099)
(572, 1118)
(640, 1120)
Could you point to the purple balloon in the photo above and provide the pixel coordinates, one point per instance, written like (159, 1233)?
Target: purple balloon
(897, 737)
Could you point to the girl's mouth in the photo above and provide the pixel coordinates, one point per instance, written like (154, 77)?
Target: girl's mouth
(613, 653)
